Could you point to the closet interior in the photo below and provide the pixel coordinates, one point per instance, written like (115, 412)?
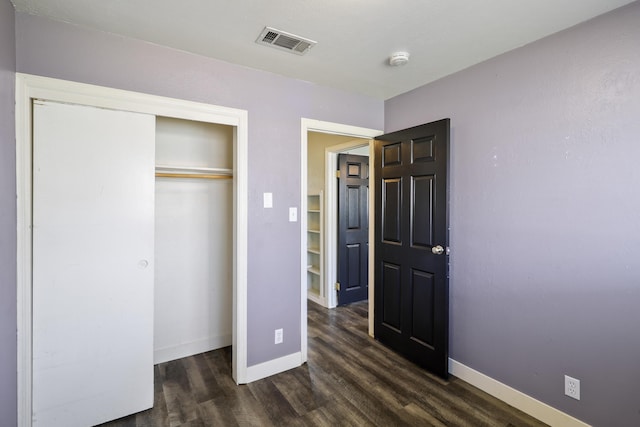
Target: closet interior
(193, 238)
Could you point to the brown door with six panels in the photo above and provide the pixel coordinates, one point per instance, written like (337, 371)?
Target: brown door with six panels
(411, 234)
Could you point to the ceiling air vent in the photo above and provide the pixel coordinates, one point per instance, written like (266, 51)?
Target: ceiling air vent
(285, 41)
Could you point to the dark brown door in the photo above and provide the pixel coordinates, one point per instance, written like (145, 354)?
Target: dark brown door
(411, 304)
(353, 228)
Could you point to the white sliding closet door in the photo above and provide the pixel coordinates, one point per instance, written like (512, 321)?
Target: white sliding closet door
(93, 248)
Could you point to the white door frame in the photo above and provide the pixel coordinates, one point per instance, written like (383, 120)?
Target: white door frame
(29, 87)
(331, 158)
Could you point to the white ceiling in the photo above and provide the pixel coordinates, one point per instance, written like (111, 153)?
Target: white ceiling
(355, 37)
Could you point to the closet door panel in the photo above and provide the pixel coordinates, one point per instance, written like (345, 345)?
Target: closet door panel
(93, 264)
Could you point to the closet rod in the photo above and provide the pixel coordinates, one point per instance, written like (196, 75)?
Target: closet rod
(192, 175)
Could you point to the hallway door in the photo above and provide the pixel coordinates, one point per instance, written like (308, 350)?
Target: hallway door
(353, 228)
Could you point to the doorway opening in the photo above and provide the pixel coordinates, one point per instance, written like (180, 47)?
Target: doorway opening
(322, 208)
(322, 142)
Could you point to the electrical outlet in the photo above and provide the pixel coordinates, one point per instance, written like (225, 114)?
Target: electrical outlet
(279, 336)
(572, 387)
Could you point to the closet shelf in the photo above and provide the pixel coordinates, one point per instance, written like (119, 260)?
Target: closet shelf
(165, 171)
(168, 168)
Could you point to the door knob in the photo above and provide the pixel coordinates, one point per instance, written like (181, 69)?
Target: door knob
(437, 250)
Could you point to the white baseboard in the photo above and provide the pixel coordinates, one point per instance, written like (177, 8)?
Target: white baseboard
(272, 367)
(166, 354)
(527, 404)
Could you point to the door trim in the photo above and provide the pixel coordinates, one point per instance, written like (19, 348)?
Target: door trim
(331, 191)
(29, 87)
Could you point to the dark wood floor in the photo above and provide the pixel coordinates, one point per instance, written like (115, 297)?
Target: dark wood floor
(349, 380)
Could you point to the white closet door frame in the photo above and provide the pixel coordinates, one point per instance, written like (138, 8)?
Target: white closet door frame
(28, 88)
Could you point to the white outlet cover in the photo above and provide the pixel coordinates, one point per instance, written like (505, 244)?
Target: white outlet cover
(279, 336)
(572, 387)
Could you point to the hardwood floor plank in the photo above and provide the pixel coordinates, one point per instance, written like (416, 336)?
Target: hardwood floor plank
(298, 392)
(350, 380)
(426, 416)
(181, 405)
(247, 410)
(215, 413)
(203, 382)
(342, 413)
(277, 407)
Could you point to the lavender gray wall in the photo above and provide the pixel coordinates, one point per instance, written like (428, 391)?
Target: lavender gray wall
(275, 105)
(8, 347)
(545, 214)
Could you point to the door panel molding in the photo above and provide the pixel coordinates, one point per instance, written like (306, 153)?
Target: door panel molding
(28, 88)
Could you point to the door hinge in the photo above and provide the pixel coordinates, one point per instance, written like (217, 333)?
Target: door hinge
(337, 286)
(337, 174)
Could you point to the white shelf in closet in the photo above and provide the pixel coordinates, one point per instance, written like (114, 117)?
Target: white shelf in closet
(193, 169)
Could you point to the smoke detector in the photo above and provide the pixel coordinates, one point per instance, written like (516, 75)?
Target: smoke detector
(398, 58)
(285, 41)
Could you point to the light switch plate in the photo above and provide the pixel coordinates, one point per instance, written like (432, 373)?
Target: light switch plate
(267, 200)
(293, 214)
